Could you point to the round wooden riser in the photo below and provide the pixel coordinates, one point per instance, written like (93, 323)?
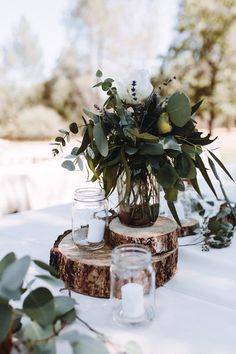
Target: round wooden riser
(89, 272)
(188, 228)
(160, 237)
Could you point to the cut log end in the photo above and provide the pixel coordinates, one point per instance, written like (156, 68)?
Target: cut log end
(188, 228)
(160, 237)
(88, 273)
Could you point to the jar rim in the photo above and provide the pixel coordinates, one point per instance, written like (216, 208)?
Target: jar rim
(122, 253)
(89, 194)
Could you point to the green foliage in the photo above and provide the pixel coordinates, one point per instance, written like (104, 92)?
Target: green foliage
(122, 139)
(100, 139)
(39, 306)
(47, 315)
(5, 319)
(179, 109)
(87, 345)
(203, 56)
(218, 230)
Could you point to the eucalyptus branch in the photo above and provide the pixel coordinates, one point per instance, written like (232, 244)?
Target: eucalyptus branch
(100, 334)
(32, 344)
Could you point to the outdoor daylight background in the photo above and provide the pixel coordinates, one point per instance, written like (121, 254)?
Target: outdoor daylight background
(50, 51)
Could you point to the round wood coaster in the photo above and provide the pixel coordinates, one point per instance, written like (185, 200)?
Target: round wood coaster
(160, 237)
(89, 272)
(188, 228)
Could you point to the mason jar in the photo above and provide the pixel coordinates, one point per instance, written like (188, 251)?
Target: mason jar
(89, 218)
(132, 284)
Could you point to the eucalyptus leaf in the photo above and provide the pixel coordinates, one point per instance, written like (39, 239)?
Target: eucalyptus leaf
(10, 294)
(62, 305)
(131, 150)
(5, 320)
(99, 73)
(74, 128)
(63, 131)
(151, 149)
(106, 85)
(185, 167)
(6, 261)
(88, 345)
(46, 266)
(100, 139)
(167, 176)
(143, 136)
(179, 109)
(68, 164)
(75, 151)
(91, 115)
(70, 336)
(80, 163)
(98, 84)
(189, 149)
(60, 140)
(34, 332)
(133, 348)
(55, 151)
(14, 274)
(169, 142)
(69, 317)
(39, 306)
(49, 279)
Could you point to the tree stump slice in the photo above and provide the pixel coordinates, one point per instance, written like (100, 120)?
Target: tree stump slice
(88, 273)
(160, 237)
(188, 228)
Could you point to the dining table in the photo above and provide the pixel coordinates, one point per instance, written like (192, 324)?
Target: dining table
(195, 310)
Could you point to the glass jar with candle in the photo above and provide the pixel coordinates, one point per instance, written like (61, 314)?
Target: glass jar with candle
(89, 218)
(132, 284)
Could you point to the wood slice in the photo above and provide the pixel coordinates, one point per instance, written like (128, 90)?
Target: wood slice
(188, 228)
(88, 273)
(160, 237)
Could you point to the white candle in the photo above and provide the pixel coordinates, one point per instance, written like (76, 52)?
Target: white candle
(132, 300)
(96, 230)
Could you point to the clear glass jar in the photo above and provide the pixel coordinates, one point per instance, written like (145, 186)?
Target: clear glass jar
(132, 284)
(89, 218)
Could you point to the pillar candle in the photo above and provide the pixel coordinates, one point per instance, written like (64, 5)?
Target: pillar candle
(132, 300)
(96, 230)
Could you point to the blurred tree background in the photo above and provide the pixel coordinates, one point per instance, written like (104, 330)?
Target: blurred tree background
(203, 58)
(114, 35)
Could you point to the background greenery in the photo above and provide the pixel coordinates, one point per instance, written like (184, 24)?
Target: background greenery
(202, 56)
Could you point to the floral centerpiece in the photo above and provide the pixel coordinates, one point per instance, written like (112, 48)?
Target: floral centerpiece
(139, 140)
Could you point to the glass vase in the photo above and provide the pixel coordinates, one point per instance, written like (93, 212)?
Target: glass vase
(139, 206)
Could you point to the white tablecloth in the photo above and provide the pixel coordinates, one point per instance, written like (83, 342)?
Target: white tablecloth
(195, 311)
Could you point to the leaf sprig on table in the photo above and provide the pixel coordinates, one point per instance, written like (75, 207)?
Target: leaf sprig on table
(221, 228)
(217, 230)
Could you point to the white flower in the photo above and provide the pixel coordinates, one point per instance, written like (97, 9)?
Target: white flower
(135, 87)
